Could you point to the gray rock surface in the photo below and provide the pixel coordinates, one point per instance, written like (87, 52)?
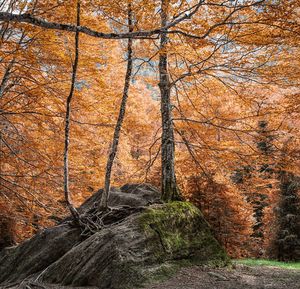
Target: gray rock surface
(134, 195)
(143, 247)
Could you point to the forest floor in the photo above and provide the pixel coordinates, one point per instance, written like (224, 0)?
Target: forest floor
(239, 277)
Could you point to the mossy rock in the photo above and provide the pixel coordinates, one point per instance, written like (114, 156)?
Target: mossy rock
(178, 230)
(146, 246)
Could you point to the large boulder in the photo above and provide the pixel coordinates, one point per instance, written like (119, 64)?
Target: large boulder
(37, 253)
(133, 195)
(146, 245)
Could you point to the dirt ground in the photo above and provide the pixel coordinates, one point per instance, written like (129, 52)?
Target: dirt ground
(241, 277)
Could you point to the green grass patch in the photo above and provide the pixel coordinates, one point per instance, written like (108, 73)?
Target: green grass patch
(273, 263)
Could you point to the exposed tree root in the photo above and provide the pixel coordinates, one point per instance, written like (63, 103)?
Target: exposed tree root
(96, 219)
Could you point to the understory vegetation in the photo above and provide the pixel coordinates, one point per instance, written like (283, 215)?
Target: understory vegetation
(272, 263)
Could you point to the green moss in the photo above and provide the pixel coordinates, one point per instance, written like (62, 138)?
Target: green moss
(178, 230)
(176, 236)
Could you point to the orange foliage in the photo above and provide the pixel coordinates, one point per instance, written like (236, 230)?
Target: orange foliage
(223, 84)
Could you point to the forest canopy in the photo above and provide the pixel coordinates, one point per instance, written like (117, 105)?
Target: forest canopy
(199, 98)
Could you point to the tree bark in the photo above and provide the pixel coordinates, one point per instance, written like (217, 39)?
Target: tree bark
(67, 123)
(7, 73)
(169, 187)
(115, 142)
(5, 77)
(40, 22)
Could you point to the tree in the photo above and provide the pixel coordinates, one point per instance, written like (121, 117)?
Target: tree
(264, 175)
(115, 142)
(288, 236)
(67, 121)
(169, 187)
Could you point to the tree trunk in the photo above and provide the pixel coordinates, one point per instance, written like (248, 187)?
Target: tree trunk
(5, 77)
(169, 186)
(67, 123)
(115, 142)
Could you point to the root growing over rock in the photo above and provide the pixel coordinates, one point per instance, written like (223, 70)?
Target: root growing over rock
(96, 219)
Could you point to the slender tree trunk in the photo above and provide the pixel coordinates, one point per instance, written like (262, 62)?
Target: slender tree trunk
(5, 77)
(67, 123)
(169, 186)
(7, 73)
(115, 142)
